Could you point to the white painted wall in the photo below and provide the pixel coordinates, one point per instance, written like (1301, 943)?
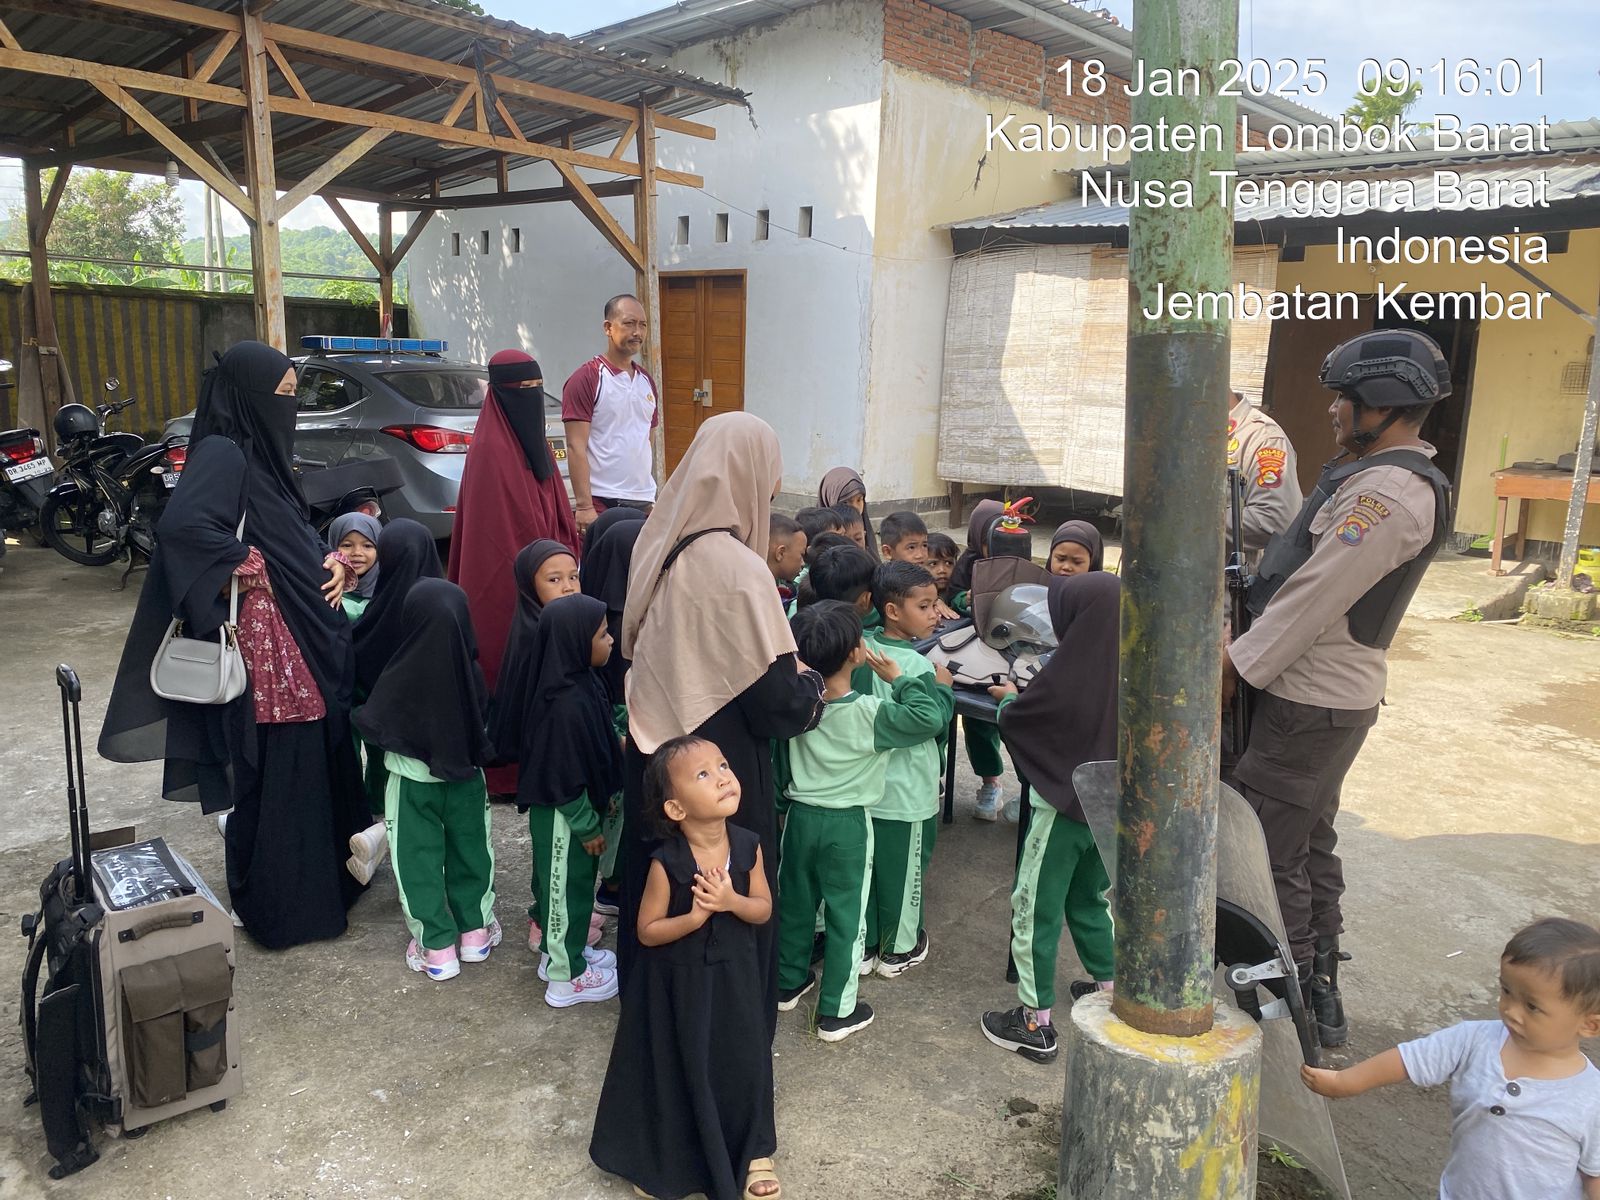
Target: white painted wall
(813, 139)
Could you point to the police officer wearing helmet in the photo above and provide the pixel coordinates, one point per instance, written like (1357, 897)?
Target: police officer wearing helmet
(1328, 597)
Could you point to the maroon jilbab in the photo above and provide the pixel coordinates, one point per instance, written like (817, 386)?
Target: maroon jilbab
(511, 494)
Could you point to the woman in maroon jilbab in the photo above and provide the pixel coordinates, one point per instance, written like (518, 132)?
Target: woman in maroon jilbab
(511, 494)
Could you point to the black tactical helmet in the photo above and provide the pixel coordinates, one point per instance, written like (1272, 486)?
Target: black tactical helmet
(1388, 368)
(75, 420)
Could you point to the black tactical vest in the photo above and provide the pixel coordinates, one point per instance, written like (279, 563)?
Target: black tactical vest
(1375, 617)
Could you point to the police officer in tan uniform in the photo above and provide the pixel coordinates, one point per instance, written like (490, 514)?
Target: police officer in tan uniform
(1260, 451)
(1330, 592)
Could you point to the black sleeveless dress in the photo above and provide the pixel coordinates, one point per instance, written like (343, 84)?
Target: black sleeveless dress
(687, 1099)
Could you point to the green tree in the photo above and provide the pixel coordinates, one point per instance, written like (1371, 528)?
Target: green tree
(465, 6)
(352, 290)
(112, 214)
(1392, 100)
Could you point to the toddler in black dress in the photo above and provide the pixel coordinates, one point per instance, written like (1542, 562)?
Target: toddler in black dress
(686, 1106)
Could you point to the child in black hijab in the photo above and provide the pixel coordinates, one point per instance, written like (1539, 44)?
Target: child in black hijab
(426, 713)
(569, 766)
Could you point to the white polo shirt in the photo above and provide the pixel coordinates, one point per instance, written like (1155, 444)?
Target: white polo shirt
(621, 409)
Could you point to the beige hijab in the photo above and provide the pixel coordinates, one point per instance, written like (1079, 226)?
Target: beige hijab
(710, 627)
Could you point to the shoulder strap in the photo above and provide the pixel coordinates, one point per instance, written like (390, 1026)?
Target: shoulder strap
(233, 585)
(689, 541)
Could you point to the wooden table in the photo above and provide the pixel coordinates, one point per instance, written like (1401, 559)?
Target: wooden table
(1526, 485)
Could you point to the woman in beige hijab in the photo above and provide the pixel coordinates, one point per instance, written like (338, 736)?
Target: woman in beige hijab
(710, 649)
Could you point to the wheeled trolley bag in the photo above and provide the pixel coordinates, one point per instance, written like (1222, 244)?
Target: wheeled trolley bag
(135, 1019)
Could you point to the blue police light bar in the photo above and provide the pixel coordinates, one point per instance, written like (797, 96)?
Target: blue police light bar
(373, 345)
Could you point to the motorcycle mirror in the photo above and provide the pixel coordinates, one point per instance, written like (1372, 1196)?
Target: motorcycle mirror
(113, 384)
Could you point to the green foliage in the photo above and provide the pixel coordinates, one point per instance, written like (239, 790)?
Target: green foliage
(1276, 1153)
(465, 6)
(1390, 101)
(352, 290)
(112, 214)
(318, 251)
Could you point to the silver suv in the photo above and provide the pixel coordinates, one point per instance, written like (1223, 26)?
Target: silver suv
(416, 408)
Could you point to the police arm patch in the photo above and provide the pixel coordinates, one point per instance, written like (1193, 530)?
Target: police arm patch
(1270, 465)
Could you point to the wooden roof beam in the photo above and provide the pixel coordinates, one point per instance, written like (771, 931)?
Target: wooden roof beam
(81, 11)
(122, 77)
(156, 62)
(546, 195)
(190, 131)
(178, 148)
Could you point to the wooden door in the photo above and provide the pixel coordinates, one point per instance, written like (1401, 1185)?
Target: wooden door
(702, 343)
(1293, 397)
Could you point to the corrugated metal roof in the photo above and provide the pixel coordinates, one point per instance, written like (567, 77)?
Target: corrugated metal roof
(1572, 177)
(1061, 28)
(34, 105)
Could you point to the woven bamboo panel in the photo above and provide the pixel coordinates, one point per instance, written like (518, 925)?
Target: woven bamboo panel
(1035, 364)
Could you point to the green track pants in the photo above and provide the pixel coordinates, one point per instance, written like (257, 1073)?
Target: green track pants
(563, 889)
(982, 740)
(1060, 875)
(443, 863)
(375, 778)
(900, 854)
(826, 860)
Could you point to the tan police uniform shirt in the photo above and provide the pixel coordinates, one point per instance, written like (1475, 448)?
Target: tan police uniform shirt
(1300, 648)
(1260, 451)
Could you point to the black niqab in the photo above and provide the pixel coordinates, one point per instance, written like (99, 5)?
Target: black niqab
(240, 462)
(524, 408)
(606, 561)
(430, 702)
(566, 744)
(1068, 715)
(511, 686)
(406, 553)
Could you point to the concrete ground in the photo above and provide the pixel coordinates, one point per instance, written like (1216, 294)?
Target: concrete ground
(1471, 811)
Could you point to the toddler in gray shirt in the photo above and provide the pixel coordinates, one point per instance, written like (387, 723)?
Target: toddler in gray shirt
(1524, 1099)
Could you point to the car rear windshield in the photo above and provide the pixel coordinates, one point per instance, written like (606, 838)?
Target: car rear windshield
(439, 389)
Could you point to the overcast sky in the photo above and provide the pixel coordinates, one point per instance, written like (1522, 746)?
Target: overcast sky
(1561, 32)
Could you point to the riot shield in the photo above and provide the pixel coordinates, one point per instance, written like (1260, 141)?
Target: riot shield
(1251, 949)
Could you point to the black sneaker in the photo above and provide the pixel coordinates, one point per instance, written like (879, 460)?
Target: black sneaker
(1082, 987)
(607, 901)
(819, 946)
(891, 965)
(1016, 1030)
(789, 997)
(836, 1029)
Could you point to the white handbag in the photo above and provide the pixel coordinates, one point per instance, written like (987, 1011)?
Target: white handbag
(202, 671)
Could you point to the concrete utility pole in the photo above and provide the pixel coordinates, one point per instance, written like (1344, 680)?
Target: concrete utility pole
(1162, 1091)
(1585, 464)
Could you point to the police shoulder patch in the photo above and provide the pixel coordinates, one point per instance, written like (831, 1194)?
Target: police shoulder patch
(1270, 464)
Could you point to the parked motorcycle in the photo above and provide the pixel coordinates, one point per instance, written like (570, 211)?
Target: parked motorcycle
(25, 470)
(111, 488)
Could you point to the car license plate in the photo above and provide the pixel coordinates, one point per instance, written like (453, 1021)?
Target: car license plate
(170, 478)
(29, 470)
(561, 453)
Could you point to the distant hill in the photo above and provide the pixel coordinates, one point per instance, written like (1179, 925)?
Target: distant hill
(321, 250)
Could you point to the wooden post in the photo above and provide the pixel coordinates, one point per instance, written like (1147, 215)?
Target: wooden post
(266, 260)
(385, 271)
(49, 353)
(647, 279)
(1585, 464)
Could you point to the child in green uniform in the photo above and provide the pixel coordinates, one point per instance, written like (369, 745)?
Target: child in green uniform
(355, 535)
(1067, 717)
(836, 773)
(941, 562)
(904, 537)
(569, 766)
(426, 713)
(905, 820)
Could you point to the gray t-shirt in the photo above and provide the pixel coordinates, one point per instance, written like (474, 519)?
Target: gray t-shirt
(1516, 1139)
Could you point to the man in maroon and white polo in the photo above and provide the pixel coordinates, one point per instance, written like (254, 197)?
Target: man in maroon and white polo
(609, 407)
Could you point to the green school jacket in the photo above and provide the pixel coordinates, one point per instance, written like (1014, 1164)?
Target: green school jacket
(843, 762)
(911, 785)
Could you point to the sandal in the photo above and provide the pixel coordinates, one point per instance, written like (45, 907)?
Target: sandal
(761, 1171)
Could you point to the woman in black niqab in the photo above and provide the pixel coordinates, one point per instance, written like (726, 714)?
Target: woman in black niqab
(294, 787)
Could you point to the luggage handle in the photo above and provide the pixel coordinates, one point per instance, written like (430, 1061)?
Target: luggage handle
(178, 920)
(77, 790)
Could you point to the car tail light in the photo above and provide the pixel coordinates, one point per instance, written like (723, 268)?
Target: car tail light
(431, 439)
(23, 450)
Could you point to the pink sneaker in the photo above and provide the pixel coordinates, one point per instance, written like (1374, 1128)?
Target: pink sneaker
(595, 984)
(606, 960)
(476, 944)
(439, 964)
(597, 926)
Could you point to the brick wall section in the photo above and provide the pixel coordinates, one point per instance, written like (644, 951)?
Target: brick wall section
(924, 38)
(1007, 66)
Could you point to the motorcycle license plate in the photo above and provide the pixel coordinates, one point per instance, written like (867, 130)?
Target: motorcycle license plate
(29, 470)
(170, 478)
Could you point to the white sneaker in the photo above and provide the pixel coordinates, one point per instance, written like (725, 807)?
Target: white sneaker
(988, 805)
(1013, 809)
(868, 965)
(371, 844)
(362, 868)
(604, 959)
(222, 822)
(595, 984)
